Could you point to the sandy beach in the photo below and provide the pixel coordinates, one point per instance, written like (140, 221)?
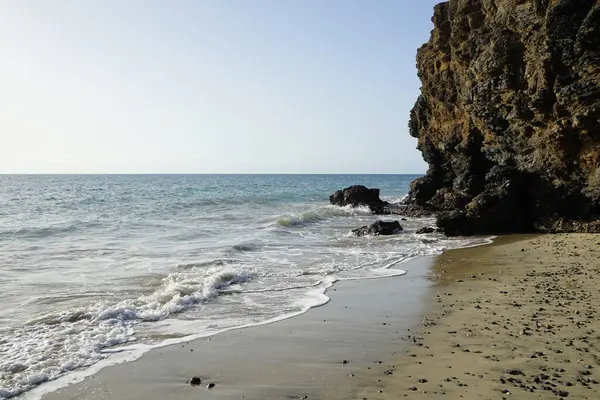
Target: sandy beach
(515, 318)
(518, 318)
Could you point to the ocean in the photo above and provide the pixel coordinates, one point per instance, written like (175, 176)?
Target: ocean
(98, 269)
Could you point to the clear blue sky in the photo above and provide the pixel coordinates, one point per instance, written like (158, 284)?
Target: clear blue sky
(219, 86)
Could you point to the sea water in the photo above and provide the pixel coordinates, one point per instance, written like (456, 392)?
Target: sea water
(94, 266)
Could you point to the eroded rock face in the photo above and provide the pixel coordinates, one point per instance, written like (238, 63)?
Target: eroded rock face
(359, 196)
(509, 116)
(379, 228)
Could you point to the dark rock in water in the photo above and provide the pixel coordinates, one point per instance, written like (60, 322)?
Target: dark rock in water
(379, 228)
(195, 381)
(359, 196)
(509, 117)
(426, 229)
(210, 385)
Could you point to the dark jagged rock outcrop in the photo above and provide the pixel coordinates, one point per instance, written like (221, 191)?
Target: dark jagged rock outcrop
(509, 117)
(379, 228)
(359, 196)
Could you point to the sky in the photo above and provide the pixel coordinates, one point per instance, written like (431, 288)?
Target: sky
(209, 86)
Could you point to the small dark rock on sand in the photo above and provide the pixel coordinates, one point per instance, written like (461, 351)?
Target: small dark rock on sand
(195, 381)
(514, 372)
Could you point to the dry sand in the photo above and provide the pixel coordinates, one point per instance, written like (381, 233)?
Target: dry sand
(517, 319)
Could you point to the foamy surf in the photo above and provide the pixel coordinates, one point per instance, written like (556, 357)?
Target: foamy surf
(320, 214)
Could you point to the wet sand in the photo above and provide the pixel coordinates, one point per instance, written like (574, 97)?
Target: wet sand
(316, 355)
(517, 319)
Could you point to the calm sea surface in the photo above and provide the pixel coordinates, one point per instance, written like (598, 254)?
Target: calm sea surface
(94, 264)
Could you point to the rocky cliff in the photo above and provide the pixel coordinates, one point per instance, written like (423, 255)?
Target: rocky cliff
(509, 116)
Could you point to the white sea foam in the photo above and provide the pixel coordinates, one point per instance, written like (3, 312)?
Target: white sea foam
(50, 345)
(394, 199)
(320, 214)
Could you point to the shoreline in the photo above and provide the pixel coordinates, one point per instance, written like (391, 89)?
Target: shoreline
(86, 379)
(279, 359)
(469, 334)
(131, 353)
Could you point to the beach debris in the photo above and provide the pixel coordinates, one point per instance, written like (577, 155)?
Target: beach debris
(514, 372)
